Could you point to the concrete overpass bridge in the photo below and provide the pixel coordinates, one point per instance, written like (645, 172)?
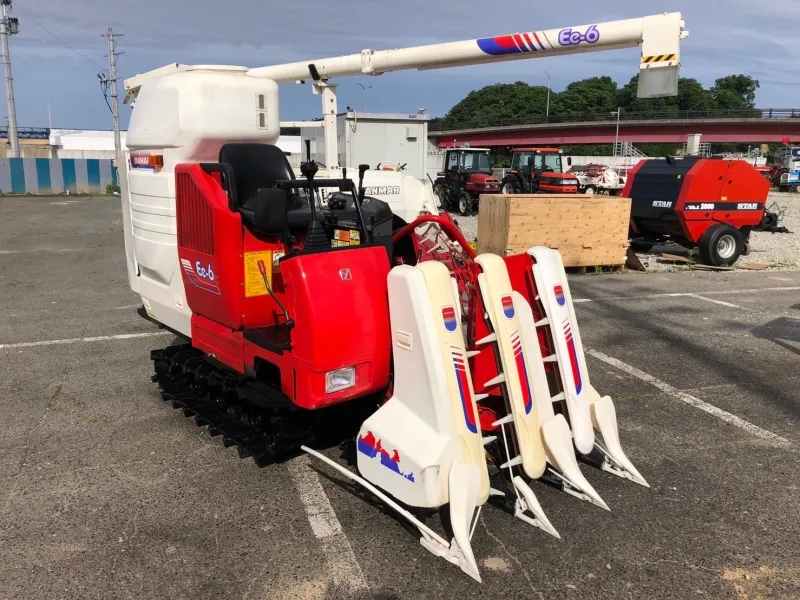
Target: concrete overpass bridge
(753, 126)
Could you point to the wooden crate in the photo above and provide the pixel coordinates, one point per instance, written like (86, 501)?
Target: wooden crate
(587, 230)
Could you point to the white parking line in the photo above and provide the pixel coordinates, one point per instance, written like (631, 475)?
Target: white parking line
(685, 294)
(691, 400)
(48, 250)
(341, 561)
(720, 302)
(99, 338)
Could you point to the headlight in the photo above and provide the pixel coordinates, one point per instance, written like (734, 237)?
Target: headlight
(340, 379)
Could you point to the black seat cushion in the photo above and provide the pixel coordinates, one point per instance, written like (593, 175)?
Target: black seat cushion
(254, 166)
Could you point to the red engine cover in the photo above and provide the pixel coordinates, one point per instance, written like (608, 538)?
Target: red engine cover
(338, 300)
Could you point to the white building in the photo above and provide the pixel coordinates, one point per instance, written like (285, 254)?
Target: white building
(76, 143)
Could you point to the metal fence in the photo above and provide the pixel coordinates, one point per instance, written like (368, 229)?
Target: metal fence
(611, 117)
(55, 176)
(28, 133)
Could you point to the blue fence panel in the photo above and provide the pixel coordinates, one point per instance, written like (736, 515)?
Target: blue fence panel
(55, 175)
(43, 175)
(17, 175)
(93, 173)
(70, 179)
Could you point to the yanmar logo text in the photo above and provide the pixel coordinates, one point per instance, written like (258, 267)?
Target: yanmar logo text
(382, 190)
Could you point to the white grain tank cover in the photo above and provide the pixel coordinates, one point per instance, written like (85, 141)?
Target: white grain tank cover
(184, 116)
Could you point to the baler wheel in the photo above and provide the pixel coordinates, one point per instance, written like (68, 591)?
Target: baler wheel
(721, 245)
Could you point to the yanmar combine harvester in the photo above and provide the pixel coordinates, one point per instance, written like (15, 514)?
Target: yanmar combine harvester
(464, 376)
(712, 204)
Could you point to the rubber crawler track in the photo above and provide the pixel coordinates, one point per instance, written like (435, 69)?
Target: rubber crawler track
(211, 396)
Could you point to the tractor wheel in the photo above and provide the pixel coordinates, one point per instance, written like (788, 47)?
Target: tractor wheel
(590, 190)
(465, 205)
(721, 245)
(511, 187)
(783, 188)
(442, 193)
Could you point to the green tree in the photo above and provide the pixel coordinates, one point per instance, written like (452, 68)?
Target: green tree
(592, 95)
(735, 92)
(691, 96)
(498, 102)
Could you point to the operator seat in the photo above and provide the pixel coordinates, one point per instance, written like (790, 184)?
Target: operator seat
(254, 166)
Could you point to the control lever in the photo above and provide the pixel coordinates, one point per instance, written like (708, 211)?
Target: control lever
(361, 170)
(263, 269)
(315, 237)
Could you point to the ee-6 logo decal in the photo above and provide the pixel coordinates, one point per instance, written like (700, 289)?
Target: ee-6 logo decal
(200, 275)
(573, 37)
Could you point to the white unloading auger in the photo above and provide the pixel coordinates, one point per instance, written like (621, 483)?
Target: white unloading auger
(424, 445)
(589, 413)
(542, 439)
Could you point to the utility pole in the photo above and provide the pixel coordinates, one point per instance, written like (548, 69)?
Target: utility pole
(112, 80)
(9, 26)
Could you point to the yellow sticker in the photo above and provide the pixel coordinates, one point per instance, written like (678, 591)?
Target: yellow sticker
(253, 279)
(355, 237)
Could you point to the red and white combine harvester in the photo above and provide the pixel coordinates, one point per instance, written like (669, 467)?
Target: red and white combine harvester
(461, 378)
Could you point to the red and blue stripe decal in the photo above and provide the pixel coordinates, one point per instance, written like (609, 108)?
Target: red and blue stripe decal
(519, 358)
(573, 357)
(508, 306)
(449, 317)
(559, 292)
(198, 281)
(518, 43)
(463, 389)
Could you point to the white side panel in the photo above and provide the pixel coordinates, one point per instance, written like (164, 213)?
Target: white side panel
(551, 283)
(408, 446)
(495, 287)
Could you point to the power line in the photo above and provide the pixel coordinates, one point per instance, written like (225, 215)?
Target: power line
(78, 52)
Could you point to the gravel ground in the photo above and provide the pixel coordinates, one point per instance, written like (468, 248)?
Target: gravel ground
(780, 251)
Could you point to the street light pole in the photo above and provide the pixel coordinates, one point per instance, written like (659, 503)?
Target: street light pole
(366, 93)
(547, 110)
(616, 139)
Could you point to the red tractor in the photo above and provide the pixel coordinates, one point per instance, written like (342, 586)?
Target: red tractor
(538, 170)
(467, 174)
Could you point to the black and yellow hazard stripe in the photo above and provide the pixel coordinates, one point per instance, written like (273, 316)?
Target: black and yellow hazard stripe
(659, 58)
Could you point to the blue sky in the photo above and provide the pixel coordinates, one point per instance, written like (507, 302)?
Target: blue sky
(726, 36)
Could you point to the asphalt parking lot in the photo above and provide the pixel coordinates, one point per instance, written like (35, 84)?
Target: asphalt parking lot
(106, 492)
